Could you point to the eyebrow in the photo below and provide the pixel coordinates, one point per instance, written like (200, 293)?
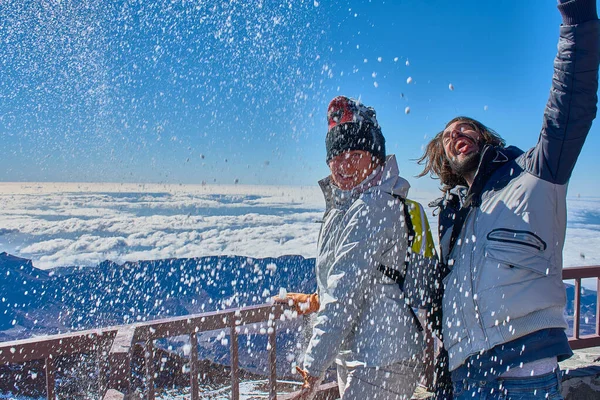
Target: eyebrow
(461, 124)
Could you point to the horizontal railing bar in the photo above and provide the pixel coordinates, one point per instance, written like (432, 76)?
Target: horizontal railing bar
(204, 322)
(326, 391)
(584, 341)
(19, 351)
(36, 348)
(592, 271)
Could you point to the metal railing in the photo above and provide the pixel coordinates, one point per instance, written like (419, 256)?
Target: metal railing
(578, 341)
(113, 347)
(49, 349)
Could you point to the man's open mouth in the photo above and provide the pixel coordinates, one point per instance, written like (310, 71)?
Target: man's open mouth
(464, 145)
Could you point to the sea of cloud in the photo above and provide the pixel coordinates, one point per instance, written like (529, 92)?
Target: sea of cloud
(65, 224)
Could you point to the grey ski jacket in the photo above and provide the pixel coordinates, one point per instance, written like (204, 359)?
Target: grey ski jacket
(506, 267)
(363, 318)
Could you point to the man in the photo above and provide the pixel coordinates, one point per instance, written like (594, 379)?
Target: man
(364, 323)
(502, 228)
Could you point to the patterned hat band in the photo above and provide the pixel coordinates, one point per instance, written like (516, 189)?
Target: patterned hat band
(355, 136)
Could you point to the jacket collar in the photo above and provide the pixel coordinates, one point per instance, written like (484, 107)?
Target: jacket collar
(492, 158)
(386, 179)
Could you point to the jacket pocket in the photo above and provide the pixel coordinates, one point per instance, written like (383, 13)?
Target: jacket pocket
(513, 236)
(513, 281)
(506, 264)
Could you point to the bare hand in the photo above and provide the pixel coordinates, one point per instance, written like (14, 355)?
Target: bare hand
(310, 386)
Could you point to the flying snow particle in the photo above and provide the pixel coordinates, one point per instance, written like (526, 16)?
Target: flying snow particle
(409, 80)
(407, 63)
(407, 110)
(236, 181)
(395, 59)
(485, 108)
(375, 84)
(451, 87)
(316, 4)
(365, 60)
(272, 267)
(379, 59)
(374, 74)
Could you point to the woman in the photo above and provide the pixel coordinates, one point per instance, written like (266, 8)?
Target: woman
(363, 322)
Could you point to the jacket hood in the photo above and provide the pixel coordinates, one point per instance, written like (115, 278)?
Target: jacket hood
(387, 175)
(391, 181)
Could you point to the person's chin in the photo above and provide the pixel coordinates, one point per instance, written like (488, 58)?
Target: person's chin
(345, 184)
(463, 164)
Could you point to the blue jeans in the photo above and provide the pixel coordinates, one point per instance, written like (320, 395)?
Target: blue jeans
(545, 387)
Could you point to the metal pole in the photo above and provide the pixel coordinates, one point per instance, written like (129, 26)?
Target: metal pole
(598, 306)
(50, 389)
(577, 306)
(235, 373)
(149, 361)
(272, 348)
(194, 366)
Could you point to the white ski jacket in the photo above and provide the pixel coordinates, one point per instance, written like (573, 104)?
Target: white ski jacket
(363, 318)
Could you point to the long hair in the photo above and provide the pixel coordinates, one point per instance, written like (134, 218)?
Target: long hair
(434, 159)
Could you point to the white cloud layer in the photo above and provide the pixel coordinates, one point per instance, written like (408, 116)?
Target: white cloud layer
(62, 224)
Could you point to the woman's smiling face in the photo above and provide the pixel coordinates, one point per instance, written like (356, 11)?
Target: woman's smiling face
(351, 168)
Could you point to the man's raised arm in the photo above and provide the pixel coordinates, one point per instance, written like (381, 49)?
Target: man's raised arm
(571, 107)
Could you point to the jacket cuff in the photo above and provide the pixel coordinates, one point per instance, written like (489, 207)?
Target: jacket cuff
(578, 11)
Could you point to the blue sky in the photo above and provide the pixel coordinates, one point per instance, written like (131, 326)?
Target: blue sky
(193, 91)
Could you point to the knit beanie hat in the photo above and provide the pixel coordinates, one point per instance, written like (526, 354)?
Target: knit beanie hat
(353, 126)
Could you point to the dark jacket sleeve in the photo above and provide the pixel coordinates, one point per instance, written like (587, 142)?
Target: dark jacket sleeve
(571, 107)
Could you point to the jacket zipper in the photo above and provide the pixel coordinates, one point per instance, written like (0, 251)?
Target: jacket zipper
(473, 294)
(525, 238)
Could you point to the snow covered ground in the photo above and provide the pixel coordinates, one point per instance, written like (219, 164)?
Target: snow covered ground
(64, 224)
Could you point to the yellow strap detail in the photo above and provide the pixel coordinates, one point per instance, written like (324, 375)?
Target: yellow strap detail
(423, 242)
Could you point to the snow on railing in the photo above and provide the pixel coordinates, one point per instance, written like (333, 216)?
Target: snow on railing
(113, 347)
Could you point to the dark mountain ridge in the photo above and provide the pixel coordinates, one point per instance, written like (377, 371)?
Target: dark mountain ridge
(34, 301)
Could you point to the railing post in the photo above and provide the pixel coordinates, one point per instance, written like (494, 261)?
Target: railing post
(50, 384)
(119, 360)
(577, 305)
(429, 354)
(598, 306)
(102, 368)
(194, 366)
(235, 373)
(272, 349)
(149, 361)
